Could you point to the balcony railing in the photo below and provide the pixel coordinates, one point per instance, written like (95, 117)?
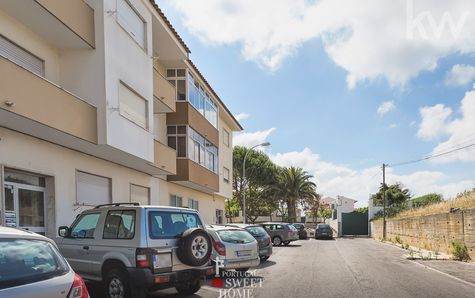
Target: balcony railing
(164, 94)
(195, 176)
(165, 158)
(31, 96)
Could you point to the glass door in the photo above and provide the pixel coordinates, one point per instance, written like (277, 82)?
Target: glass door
(25, 207)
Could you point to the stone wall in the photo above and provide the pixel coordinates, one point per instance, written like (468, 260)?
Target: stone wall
(433, 232)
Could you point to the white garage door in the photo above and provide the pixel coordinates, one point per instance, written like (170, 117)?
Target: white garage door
(139, 194)
(93, 190)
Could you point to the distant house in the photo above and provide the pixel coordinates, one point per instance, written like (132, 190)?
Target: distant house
(339, 205)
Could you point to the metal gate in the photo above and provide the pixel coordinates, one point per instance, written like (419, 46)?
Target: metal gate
(354, 223)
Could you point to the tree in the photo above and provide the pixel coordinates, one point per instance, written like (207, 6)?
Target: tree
(311, 207)
(427, 199)
(231, 207)
(396, 195)
(295, 187)
(261, 175)
(324, 212)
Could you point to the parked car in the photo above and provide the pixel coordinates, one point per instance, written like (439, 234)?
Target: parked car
(235, 247)
(263, 239)
(323, 231)
(281, 233)
(31, 266)
(135, 249)
(301, 229)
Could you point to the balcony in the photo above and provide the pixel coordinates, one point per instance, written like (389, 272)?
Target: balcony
(193, 175)
(187, 115)
(164, 94)
(165, 158)
(29, 96)
(65, 24)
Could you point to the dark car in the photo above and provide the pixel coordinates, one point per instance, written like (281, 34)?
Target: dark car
(281, 233)
(323, 231)
(263, 239)
(301, 228)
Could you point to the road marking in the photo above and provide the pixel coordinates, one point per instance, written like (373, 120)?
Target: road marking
(446, 274)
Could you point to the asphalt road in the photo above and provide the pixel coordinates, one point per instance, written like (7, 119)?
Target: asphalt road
(345, 267)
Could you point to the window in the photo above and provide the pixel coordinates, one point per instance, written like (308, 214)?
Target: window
(164, 224)
(131, 21)
(120, 224)
(24, 261)
(226, 174)
(132, 106)
(20, 56)
(177, 139)
(85, 226)
(177, 77)
(92, 190)
(219, 216)
(202, 151)
(236, 236)
(24, 178)
(201, 101)
(278, 227)
(139, 194)
(256, 231)
(193, 204)
(226, 138)
(176, 201)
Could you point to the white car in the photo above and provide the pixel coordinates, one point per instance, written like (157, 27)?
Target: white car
(235, 248)
(31, 266)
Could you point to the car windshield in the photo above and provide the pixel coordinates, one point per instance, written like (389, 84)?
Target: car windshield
(24, 261)
(292, 228)
(323, 226)
(298, 227)
(170, 224)
(256, 231)
(235, 236)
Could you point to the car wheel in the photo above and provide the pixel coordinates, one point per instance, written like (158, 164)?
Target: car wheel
(276, 241)
(116, 283)
(189, 288)
(242, 269)
(286, 243)
(194, 247)
(263, 259)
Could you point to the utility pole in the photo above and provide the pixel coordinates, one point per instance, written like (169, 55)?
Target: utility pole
(384, 201)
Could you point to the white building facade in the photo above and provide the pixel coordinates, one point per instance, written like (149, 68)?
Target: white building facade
(90, 113)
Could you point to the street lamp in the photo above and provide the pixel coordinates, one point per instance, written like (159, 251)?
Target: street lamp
(266, 144)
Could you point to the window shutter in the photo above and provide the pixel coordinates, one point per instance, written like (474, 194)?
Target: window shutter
(93, 190)
(131, 21)
(21, 57)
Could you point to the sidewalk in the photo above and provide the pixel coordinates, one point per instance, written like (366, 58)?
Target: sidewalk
(461, 270)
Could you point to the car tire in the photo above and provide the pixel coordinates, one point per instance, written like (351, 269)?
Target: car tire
(117, 284)
(286, 243)
(194, 247)
(242, 269)
(276, 241)
(189, 288)
(263, 259)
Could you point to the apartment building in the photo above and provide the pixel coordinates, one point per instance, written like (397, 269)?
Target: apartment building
(100, 103)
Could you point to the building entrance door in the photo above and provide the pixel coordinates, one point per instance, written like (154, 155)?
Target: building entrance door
(25, 207)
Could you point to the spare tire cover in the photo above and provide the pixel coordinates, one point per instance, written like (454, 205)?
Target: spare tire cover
(194, 247)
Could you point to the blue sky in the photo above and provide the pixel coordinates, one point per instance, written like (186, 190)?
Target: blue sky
(315, 93)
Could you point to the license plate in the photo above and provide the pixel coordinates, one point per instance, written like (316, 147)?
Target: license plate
(243, 253)
(162, 260)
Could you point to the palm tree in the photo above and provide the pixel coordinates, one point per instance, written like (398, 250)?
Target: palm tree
(295, 187)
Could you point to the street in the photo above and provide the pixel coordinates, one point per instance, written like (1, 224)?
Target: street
(344, 267)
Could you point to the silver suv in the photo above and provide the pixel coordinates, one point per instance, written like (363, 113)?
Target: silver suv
(135, 249)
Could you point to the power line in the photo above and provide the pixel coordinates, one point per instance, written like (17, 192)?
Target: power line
(431, 156)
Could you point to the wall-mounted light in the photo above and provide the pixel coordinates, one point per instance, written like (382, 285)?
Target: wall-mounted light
(9, 103)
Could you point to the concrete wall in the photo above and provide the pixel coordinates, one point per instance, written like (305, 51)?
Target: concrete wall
(433, 232)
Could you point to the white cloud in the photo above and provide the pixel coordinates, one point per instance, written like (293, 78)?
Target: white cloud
(393, 125)
(386, 107)
(461, 132)
(370, 39)
(460, 75)
(333, 179)
(249, 139)
(434, 121)
(241, 116)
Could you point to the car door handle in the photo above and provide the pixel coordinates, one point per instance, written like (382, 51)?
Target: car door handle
(86, 247)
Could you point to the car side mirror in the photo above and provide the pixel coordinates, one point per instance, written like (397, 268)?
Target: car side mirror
(63, 231)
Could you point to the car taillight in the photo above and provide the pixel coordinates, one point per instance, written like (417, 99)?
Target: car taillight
(220, 248)
(143, 257)
(78, 289)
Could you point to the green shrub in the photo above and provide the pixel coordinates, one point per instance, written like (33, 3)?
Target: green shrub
(460, 251)
(398, 239)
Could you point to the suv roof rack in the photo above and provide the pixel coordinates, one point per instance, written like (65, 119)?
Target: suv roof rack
(117, 204)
